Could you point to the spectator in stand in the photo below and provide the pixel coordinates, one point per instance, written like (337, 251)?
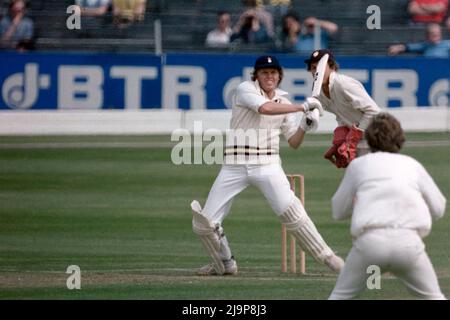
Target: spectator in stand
(220, 36)
(16, 27)
(263, 17)
(93, 13)
(427, 11)
(127, 12)
(433, 47)
(295, 38)
(448, 22)
(249, 29)
(327, 30)
(290, 32)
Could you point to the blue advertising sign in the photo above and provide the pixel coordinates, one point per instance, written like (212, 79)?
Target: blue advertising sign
(197, 81)
(79, 81)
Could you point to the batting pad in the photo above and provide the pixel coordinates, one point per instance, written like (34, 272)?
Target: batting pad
(299, 224)
(207, 233)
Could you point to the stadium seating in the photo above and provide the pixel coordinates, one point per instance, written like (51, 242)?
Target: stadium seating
(185, 24)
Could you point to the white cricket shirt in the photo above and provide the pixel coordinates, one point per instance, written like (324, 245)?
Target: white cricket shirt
(349, 101)
(388, 190)
(253, 138)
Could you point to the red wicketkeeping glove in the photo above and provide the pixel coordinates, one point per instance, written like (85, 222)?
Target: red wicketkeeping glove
(340, 134)
(348, 148)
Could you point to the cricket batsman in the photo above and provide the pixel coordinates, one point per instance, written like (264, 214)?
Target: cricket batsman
(260, 112)
(347, 99)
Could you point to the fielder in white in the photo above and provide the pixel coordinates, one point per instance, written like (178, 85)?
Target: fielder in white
(391, 200)
(349, 101)
(260, 113)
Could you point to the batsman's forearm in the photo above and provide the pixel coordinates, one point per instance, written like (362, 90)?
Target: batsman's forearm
(273, 108)
(296, 140)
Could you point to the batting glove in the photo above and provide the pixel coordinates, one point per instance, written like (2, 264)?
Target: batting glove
(310, 121)
(312, 103)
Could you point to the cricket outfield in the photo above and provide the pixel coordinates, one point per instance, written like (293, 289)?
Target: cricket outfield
(117, 207)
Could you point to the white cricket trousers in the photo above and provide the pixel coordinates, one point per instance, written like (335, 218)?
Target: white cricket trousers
(399, 251)
(270, 179)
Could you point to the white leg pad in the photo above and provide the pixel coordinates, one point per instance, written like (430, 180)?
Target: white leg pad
(299, 224)
(209, 235)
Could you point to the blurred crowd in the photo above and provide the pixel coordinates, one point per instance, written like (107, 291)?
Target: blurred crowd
(256, 25)
(125, 13)
(17, 28)
(433, 14)
(276, 23)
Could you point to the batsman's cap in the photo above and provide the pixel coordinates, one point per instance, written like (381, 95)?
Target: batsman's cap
(317, 55)
(267, 62)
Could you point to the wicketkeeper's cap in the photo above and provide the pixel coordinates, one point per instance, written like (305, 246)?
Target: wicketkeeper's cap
(267, 62)
(317, 55)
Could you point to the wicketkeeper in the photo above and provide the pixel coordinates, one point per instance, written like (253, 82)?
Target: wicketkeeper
(347, 99)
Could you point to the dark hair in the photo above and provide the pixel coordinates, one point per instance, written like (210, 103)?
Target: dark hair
(280, 71)
(248, 22)
(316, 55)
(290, 14)
(26, 45)
(333, 65)
(385, 133)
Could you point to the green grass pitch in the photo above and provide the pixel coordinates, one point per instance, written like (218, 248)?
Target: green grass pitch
(122, 215)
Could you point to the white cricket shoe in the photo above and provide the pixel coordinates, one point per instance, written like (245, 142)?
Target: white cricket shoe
(231, 268)
(334, 262)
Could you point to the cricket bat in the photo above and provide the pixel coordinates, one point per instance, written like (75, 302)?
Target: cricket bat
(318, 76)
(318, 79)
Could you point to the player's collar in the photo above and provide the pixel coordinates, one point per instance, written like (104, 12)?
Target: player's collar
(280, 92)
